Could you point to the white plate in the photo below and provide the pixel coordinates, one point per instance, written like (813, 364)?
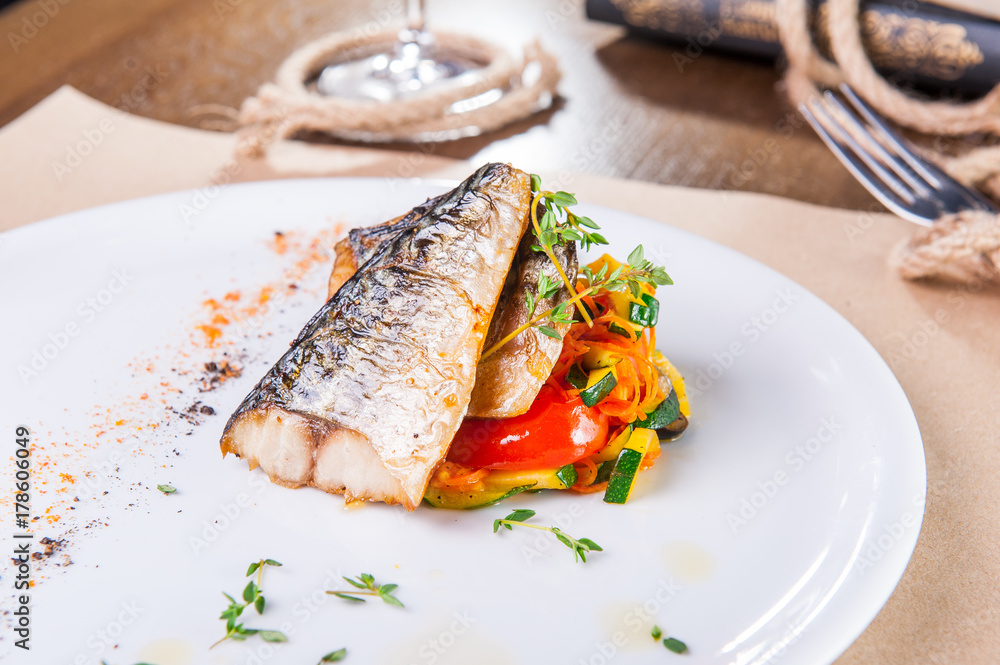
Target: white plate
(778, 525)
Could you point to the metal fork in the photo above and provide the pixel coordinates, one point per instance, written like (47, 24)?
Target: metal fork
(885, 164)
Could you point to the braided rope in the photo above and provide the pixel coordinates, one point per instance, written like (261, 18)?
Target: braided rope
(287, 106)
(964, 247)
(945, 118)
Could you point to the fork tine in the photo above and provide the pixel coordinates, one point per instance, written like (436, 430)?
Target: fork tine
(876, 184)
(843, 138)
(919, 185)
(889, 135)
(934, 175)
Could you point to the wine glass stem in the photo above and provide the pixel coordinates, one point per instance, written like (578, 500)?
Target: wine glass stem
(415, 15)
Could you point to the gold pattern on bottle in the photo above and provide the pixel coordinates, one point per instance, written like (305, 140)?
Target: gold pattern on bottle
(934, 49)
(674, 16)
(749, 19)
(892, 41)
(900, 43)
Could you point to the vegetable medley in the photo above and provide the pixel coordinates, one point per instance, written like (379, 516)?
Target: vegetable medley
(598, 420)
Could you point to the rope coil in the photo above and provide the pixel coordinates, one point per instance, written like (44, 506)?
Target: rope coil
(287, 106)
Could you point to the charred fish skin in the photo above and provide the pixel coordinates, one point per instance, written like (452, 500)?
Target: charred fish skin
(509, 379)
(361, 243)
(386, 367)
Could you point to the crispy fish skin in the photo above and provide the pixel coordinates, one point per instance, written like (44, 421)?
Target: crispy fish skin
(361, 243)
(368, 397)
(509, 379)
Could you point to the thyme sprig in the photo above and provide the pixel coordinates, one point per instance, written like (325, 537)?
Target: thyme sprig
(558, 224)
(367, 586)
(671, 643)
(252, 595)
(675, 645)
(579, 546)
(629, 276)
(333, 656)
(557, 315)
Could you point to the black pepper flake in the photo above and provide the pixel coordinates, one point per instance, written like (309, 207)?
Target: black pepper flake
(51, 546)
(218, 371)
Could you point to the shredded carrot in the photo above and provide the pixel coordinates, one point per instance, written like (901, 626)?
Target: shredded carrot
(464, 480)
(649, 458)
(610, 317)
(586, 472)
(637, 390)
(453, 475)
(636, 393)
(589, 489)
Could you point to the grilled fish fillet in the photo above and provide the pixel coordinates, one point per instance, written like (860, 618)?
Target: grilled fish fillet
(371, 392)
(509, 380)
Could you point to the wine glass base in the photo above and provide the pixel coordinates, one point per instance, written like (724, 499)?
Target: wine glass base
(405, 72)
(409, 70)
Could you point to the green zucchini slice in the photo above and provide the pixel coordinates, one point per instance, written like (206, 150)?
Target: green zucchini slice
(500, 485)
(597, 358)
(577, 377)
(626, 469)
(665, 413)
(644, 315)
(600, 382)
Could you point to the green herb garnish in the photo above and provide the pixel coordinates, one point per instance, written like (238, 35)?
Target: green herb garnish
(333, 656)
(367, 586)
(675, 645)
(580, 546)
(557, 225)
(628, 276)
(252, 595)
(258, 565)
(166, 489)
(657, 633)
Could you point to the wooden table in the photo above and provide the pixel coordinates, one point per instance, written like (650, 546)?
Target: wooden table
(625, 108)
